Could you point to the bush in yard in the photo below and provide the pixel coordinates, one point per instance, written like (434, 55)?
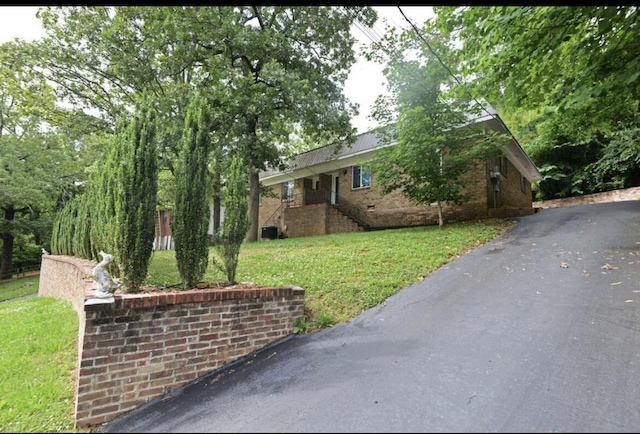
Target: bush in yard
(236, 220)
(191, 216)
(116, 214)
(135, 200)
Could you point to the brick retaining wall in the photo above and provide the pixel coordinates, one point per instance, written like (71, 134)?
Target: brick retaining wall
(144, 345)
(632, 193)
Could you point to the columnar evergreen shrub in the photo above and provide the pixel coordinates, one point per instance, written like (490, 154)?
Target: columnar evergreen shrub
(63, 229)
(116, 214)
(191, 214)
(135, 200)
(236, 219)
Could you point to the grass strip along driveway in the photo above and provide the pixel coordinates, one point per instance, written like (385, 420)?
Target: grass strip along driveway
(342, 274)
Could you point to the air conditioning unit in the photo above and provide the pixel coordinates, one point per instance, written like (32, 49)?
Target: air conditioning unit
(270, 232)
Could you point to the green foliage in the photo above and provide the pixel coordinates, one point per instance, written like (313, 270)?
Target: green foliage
(81, 235)
(265, 73)
(116, 213)
(86, 224)
(435, 142)
(191, 213)
(26, 252)
(102, 192)
(566, 76)
(236, 222)
(35, 159)
(301, 325)
(618, 165)
(135, 200)
(63, 229)
(324, 320)
(539, 56)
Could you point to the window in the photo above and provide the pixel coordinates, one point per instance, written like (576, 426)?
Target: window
(361, 177)
(287, 191)
(523, 184)
(503, 166)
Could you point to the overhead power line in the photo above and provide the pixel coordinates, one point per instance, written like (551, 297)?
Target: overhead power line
(376, 39)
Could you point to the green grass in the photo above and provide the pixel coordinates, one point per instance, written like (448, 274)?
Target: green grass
(38, 356)
(342, 275)
(14, 288)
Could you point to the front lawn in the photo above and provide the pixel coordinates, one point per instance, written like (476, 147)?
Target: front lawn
(343, 274)
(18, 287)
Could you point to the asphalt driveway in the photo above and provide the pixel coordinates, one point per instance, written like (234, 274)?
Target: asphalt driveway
(536, 331)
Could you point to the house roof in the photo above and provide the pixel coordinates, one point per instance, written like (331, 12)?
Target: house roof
(329, 158)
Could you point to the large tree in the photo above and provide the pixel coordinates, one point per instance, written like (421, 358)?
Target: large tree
(36, 160)
(269, 70)
(436, 139)
(539, 56)
(565, 78)
(286, 71)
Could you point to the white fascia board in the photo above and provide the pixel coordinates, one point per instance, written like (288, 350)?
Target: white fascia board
(522, 162)
(326, 167)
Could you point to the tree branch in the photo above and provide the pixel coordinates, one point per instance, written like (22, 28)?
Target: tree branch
(256, 14)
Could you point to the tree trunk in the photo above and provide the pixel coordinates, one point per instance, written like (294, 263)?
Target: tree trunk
(216, 214)
(254, 206)
(440, 219)
(7, 246)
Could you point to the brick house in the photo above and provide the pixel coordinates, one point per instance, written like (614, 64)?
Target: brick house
(322, 193)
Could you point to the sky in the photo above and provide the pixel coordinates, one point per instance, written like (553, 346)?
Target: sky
(365, 81)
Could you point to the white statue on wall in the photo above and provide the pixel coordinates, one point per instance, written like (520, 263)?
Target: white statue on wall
(106, 286)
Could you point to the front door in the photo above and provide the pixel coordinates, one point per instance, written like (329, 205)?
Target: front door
(334, 190)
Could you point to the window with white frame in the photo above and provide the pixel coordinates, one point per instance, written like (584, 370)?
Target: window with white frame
(361, 177)
(287, 190)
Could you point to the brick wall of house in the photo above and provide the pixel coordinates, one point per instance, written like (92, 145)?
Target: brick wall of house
(514, 198)
(269, 206)
(394, 210)
(301, 221)
(144, 345)
(271, 211)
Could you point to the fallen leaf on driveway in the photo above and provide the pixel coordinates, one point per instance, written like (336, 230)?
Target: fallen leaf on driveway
(615, 283)
(608, 266)
(628, 301)
(564, 265)
(587, 274)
